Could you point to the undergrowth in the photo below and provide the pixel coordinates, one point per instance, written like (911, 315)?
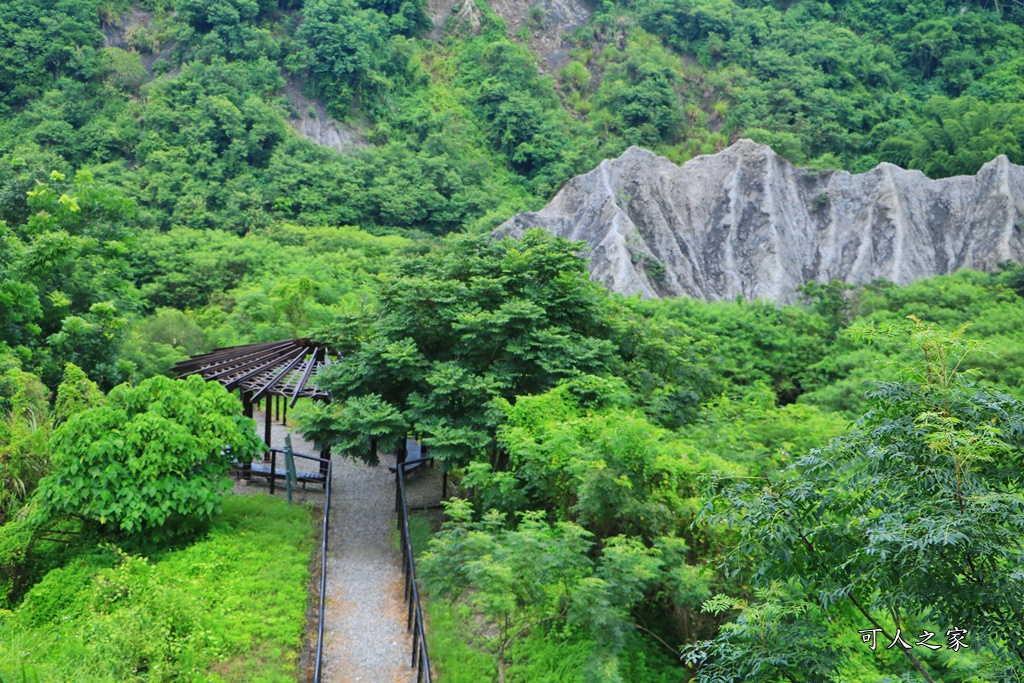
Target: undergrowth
(229, 607)
(564, 654)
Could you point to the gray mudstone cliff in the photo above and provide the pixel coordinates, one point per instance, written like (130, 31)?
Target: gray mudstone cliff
(747, 221)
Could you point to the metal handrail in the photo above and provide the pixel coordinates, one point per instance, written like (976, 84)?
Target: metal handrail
(414, 623)
(318, 672)
(323, 576)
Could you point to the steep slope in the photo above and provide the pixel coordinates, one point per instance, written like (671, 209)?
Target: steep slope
(748, 222)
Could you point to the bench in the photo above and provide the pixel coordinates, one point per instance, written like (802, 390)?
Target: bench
(281, 472)
(263, 470)
(413, 467)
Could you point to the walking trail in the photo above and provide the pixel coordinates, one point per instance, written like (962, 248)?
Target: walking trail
(365, 638)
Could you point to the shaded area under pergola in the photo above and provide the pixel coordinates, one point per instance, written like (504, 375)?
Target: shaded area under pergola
(280, 373)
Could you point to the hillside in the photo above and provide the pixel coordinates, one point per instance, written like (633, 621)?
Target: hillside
(747, 223)
(456, 116)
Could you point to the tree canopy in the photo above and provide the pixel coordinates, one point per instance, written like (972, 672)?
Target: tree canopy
(150, 459)
(914, 518)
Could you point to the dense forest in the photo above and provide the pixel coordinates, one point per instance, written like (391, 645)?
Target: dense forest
(653, 490)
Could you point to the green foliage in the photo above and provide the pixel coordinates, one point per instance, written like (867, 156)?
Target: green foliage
(608, 469)
(830, 301)
(536, 574)
(451, 646)
(24, 430)
(359, 426)
(217, 289)
(151, 460)
(472, 321)
(542, 394)
(75, 394)
(190, 269)
(208, 146)
(756, 434)
(124, 69)
(639, 89)
(478, 320)
(44, 41)
(216, 132)
(564, 655)
(161, 340)
(751, 343)
(915, 514)
(189, 115)
(27, 422)
(226, 27)
(348, 50)
(64, 279)
(986, 303)
(518, 575)
(828, 82)
(582, 456)
(955, 137)
(113, 616)
(779, 637)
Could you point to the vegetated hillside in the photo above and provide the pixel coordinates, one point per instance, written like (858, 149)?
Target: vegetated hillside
(746, 222)
(186, 103)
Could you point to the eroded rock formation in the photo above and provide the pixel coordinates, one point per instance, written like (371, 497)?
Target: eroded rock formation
(747, 221)
(312, 121)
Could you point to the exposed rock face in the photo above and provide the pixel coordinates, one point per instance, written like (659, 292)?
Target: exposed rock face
(116, 35)
(456, 15)
(747, 221)
(549, 25)
(313, 122)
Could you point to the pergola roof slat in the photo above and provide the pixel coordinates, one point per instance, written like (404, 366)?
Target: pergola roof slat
(230, 355)
(266, 368)
(226, 372)
(270, 364)
(277, 378)
(305, 377)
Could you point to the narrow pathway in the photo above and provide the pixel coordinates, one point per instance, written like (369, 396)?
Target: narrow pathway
(365, 637)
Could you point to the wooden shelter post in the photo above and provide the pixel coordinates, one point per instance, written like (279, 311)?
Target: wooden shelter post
(267, 422)
(247, 404)
(326, 455)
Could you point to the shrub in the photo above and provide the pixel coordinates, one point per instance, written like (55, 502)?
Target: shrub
(152, 459)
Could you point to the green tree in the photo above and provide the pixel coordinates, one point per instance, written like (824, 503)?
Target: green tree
(537, 574)
(152, 459)
(27, 421)
(472, 321)
(830, 301)
(915, 517)
(781, 637)
(518, 578)
(64, 278)
(43, 41)
(24, 430)
(348, 52)
(584, 454)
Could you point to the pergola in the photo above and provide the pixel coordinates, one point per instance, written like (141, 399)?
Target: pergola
(280, 372)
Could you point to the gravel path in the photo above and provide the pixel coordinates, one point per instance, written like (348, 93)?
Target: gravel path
(365, 639)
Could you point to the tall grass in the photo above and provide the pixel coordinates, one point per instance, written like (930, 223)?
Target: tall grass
(231, 606)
